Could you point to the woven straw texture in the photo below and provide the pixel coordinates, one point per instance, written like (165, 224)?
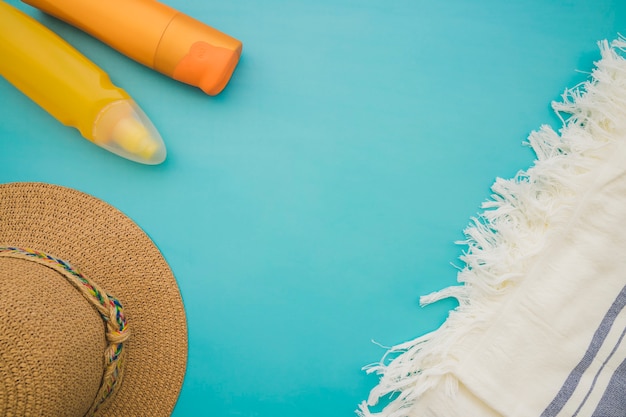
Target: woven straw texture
(52, 339)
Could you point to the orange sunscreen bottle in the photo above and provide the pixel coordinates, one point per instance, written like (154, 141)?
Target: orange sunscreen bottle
(155, 35)
(73, 89)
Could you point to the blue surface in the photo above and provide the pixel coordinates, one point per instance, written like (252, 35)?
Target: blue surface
(306, 208)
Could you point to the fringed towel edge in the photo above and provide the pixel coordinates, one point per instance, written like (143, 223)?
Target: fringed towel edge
(506, 237)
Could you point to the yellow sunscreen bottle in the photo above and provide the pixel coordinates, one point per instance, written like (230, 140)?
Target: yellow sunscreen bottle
(73, 89)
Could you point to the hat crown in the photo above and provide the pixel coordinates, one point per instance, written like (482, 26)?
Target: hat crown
(51, 343)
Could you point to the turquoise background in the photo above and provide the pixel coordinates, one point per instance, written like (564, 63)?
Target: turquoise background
(306, 208)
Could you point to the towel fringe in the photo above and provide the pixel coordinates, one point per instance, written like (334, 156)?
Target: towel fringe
(504, 240)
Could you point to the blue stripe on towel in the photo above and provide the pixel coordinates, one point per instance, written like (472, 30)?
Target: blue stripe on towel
(597, 375)
(572, 381)
(613, 402)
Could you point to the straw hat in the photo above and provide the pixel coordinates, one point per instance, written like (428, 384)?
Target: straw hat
(66, 347)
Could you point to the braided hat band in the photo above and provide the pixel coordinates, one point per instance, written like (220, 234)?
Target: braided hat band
(109, 308)
(61, 372)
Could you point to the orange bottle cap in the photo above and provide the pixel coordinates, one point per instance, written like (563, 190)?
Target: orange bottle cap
(197, 54)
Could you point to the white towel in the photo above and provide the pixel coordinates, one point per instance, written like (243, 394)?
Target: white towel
(541, 321)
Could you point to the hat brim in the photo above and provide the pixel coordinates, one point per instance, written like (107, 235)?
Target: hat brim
(112, 250)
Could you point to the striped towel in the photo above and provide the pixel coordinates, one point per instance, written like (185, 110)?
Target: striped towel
(540, 326)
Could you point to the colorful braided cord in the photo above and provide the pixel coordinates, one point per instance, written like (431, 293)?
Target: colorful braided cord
(109, 308)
